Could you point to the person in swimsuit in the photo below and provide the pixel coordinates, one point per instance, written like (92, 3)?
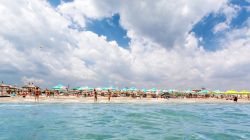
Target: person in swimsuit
(37, 93)
(109, 94)
(95, 95)
(235, 99)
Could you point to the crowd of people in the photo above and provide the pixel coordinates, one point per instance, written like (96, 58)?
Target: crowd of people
(36, 92)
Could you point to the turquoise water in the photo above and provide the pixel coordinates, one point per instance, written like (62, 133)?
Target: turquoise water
(124, 121)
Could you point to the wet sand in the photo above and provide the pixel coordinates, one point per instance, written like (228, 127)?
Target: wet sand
(74, 99)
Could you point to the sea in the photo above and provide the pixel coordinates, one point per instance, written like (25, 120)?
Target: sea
(68, 121)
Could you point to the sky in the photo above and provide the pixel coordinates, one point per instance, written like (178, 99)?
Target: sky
(166, 44)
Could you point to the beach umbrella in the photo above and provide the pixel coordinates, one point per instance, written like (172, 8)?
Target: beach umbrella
(77, 88)
(59, 87)
(188, 91)
(112, 88)
(203, 92)
(144, 90)
(85, 88)
(132, 89)
(231, 92)
(105, 88)
(244, 92)
(216, 92)
(90, 88)
(165, 90)
(171, 91)
(124, 89)
(99, 88)
(153, 90)
(82, 88)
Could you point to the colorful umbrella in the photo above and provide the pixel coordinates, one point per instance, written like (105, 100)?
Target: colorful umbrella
(153, 90)
(231, 92)
(132, 89)
(203, 92)
(244, 92)
(59, 87)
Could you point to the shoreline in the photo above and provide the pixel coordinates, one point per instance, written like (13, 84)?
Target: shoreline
(125, 100)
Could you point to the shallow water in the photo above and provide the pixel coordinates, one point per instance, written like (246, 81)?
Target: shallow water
(124, 121)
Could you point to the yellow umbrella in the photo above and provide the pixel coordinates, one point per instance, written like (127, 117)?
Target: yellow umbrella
(244, 92)
(231, 92)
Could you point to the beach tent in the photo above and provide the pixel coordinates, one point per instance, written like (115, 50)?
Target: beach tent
(231, 92)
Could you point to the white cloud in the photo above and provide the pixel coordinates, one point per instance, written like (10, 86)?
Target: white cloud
(164, 22)
(39, 46)
(220, 27)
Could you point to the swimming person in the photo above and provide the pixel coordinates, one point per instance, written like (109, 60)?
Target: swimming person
(95, 95)
(109, 94)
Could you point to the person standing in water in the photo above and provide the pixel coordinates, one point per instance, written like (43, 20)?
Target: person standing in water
(95, 95)
(235, 99)
(37, 93)
(109, 94)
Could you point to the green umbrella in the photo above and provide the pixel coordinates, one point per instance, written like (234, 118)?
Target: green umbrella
(171, 90)
(132, 89)
(217, 92)
(84, 88)
(59, 87)
(77, 88)
(153, 89)
(203, 92)
(105, 88)
(188, 91)
(112, 88)
(144, 90)
(124, 89)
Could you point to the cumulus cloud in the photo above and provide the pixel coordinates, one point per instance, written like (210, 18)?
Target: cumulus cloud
(164, 22)
(39, 46)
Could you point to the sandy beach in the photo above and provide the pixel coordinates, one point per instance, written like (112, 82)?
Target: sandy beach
(73, 99)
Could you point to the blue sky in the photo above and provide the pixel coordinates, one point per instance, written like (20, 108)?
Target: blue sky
(204, 28)
(111, 28)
